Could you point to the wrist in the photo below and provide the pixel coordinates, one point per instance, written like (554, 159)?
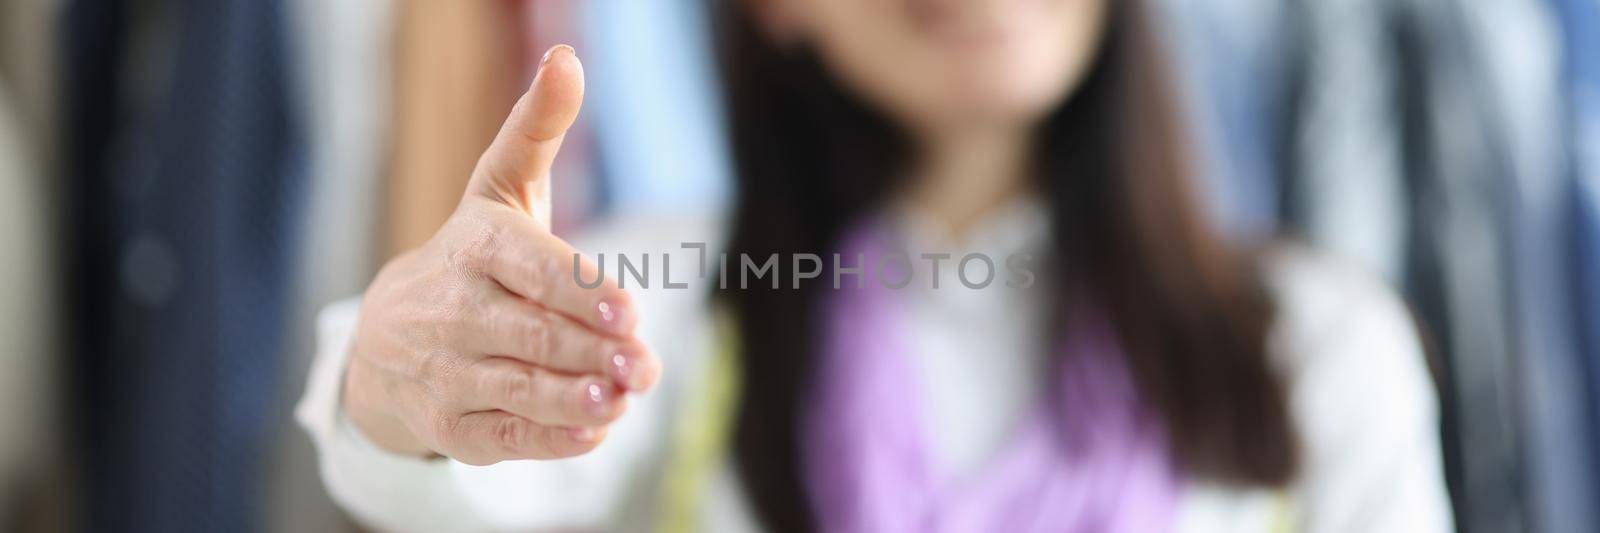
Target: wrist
(374, 420)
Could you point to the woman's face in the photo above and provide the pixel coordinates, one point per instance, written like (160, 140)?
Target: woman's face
(936, 64)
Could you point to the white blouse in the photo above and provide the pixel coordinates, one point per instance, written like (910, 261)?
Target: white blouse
(1360, 394)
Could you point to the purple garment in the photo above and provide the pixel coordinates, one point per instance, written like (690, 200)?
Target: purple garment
(1088, 458)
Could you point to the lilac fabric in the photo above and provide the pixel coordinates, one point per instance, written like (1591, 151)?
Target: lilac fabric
(1089, 457)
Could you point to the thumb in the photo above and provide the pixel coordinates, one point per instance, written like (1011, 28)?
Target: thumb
(515, 169)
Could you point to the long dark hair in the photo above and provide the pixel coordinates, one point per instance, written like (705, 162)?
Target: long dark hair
(1190, 311)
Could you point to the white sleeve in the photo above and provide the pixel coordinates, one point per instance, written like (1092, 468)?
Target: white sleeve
(387, 491)
(393, 492)
(1365, 404)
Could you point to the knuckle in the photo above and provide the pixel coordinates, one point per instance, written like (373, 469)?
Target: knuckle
(440, 311)
(444, 427)
(477, 253)
(525, 135)
(438, 368)
(511, 433)
(553, 443)
(534, 336)
(519, 386)
(456, 299)
(536, 271)
(545, 341)
(522, 327)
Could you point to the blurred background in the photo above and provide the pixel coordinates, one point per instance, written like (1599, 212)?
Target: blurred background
(183, 183)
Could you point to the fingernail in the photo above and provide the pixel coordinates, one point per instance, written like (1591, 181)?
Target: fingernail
(583, 434)
(628, 372)
(621, 368)
(614, 317)
(546, 59)
(597, 400)
(552, 51)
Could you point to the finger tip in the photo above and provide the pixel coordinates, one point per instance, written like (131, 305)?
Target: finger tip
(612, 409)
(618, 409)
(557, 90)
(617, 313)
(587, 437)
(635, 368)
(649, 373)
(561, 70)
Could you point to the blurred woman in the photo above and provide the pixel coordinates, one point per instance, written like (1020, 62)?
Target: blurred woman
(1127, 371)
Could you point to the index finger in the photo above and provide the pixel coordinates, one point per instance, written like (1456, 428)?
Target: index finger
(544, 269)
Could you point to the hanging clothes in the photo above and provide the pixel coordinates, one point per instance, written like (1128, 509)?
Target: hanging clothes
(29, 414)
(343, 59)
(1392, 164)
(1516, 43)
(1348, 197)
(186, 195)
(31, 458)
(1579, 21)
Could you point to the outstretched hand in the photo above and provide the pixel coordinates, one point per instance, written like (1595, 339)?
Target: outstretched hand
(480, 345)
